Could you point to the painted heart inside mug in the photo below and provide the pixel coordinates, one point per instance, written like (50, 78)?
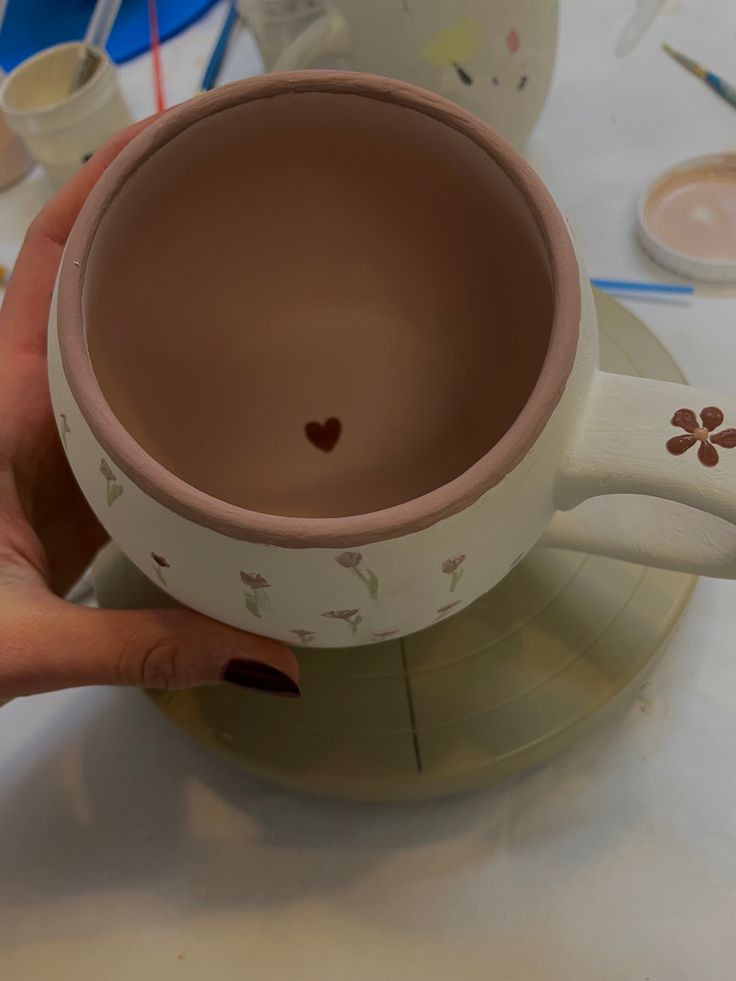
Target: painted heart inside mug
(332, 267)
(324, 436)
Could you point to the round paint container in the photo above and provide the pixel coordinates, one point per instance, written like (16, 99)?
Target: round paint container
(687, 219)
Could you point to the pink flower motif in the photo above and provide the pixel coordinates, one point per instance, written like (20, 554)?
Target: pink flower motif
(255, 580)
(305, 636)
(349, 560)
(452, 565)
(351, 617)
(341, 614)
(513, 42)
(703, 433)
(448, 606)
(65, 428)
(160, 564)
(257, 599)
(352, 561)
(113, 490)
(452, 568)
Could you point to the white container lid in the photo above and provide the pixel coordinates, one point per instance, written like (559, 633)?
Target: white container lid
(687, 219)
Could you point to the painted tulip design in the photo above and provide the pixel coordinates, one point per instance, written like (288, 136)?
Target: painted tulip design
(256, 597)
(351, 617)
(354, 561)
(114, 489)
(64, 428)
(305, 636)
(453, 568)
(447, 608)
(159, 564)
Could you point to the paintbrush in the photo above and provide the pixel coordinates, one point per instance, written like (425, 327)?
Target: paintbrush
(158, 72)
(634, 286)
(719, 86)
(98, 31)
(218, 54)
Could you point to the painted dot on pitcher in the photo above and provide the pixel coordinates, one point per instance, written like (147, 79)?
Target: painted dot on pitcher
(462, 74)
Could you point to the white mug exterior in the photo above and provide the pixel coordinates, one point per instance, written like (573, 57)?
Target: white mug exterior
(494, 57)
(606, 434)
(328, 597)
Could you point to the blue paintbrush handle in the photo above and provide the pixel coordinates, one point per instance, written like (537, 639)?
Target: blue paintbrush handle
(630, 286)
(726, 91)
(218, 54)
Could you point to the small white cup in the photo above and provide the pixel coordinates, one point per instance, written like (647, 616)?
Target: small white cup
(15, 160)
(61, 130)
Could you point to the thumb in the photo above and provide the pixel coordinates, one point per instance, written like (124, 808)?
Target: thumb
(57, 645)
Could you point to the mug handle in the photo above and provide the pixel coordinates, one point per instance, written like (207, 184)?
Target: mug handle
(660, 440)
(328, 36)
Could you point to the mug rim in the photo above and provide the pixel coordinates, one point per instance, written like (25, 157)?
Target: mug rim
(399, 520)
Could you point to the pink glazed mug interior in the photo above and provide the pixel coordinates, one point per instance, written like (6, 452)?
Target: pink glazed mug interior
(307, 328)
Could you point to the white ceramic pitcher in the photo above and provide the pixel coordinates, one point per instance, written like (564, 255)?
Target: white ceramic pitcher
(495, 57)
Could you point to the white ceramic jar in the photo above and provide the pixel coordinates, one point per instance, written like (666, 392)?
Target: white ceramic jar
(61, 129)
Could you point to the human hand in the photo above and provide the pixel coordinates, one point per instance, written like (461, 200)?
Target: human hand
(48, 534)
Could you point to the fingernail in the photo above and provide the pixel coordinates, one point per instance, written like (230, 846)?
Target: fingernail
(261, 677)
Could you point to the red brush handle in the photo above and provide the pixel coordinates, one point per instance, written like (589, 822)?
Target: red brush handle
(158, 76)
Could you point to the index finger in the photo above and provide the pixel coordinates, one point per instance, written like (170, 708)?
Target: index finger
(26, 305)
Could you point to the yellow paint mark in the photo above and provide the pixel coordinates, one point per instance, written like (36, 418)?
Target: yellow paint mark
(456, 44)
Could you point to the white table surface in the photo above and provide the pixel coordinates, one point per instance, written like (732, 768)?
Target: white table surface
(129, 852)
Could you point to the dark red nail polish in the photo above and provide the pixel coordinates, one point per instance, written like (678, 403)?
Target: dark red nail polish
(260, 677)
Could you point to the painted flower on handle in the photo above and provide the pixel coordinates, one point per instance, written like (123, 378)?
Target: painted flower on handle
(256, 597)
(159, 564)
(353, 561)
(703, 433)
(114, 489)
(452, 567)
(351, 617)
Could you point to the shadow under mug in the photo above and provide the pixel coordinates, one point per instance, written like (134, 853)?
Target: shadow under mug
(324, 362)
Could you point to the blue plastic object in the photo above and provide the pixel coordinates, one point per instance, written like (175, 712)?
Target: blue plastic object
(31, 25)
(631, 286)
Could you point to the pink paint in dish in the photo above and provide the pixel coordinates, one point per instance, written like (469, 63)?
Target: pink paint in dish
(688, 219)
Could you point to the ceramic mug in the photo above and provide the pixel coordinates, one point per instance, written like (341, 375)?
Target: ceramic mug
(332, 389)
(495, 57)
